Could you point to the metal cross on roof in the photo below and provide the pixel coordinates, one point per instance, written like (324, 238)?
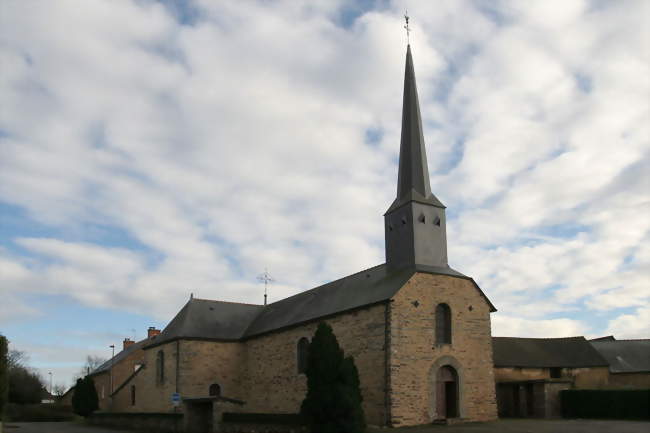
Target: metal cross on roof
(266, 278)
(408, 29)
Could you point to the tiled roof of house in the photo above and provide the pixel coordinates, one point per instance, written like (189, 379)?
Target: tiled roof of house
(545, 352)
(122, 355)
(226, 321)
(625, 356)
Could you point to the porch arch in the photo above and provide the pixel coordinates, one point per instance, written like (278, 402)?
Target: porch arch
(434, 386)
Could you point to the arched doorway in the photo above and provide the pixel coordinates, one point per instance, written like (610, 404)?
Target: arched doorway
(447, 392)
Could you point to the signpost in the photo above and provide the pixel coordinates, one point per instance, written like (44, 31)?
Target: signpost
(176, 399)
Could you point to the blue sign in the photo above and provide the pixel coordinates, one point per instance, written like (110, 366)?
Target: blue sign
(176, 399)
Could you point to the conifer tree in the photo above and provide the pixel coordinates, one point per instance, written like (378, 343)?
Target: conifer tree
(84, 399)
(333, 401)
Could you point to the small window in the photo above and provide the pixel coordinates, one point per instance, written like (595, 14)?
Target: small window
(214, 390)
(422, 219)
(556, 372)
(443, 324)
(302, 355)
(160, 367)
(437, 221)
(132, 395)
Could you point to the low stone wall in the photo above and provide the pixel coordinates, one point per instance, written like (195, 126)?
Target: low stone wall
(239, 427)
(146, 422)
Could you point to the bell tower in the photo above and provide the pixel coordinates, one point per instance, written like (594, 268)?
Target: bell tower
(415, 224)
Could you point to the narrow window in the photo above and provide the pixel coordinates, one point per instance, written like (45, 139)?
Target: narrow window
(556, 372)
(302, 354)
(214, 390)
(437, 221)
(132, 395)
(160, 367)
(443, 324)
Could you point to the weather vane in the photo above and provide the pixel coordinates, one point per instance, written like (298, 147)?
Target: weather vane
(408, 29)
(266, 278)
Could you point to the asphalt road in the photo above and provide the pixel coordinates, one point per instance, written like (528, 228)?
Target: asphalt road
(501, 426)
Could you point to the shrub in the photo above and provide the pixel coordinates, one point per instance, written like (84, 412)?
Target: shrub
(617, 404)
(84, 399)
(25, 386)
(38, 413)
(333, 401)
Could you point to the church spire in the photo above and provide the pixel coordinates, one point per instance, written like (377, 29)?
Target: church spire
(415, 222)
(413, 178)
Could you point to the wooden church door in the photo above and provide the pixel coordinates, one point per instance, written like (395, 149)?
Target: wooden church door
(447, 393)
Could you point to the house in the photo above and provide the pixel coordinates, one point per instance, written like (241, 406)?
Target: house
(531, 372)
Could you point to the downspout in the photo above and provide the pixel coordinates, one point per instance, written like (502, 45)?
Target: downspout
(178, 363)
(387, 361)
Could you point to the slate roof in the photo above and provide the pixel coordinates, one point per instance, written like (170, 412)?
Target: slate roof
(569, 352)
(227, 321)
(209, 320)
(625, 356)
(122, 355)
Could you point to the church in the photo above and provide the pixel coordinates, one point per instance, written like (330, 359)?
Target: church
(419, 331)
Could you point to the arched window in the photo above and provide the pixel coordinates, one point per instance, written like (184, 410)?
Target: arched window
(302, 355)
(215, 390)
(443, 324)
(132, 395)
(160, 367)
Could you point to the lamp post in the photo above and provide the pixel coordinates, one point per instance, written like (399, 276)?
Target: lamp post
(51, 394)
(112, 346)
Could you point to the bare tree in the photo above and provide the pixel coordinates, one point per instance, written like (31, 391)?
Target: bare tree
(59, 389)
(17, 358)
(92, 363)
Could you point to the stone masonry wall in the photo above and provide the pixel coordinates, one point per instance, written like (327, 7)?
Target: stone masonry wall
(415, 359)
(583, 378)
(121, 371)
(273, 384)
(201, 364)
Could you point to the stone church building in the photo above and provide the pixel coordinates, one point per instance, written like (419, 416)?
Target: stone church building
(419, 330)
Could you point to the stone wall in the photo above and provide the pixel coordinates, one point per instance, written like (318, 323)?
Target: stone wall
(415, 358)
(629, 381)
(273, 384)
(121, 372)
(583, 378)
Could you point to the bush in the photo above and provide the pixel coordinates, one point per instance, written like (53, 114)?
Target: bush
(617, 404)
(4, 376)
(84, 399)
(38, 413)
(333, 401)
(25, 386)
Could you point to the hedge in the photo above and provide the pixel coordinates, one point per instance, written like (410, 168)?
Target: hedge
(264, 418)
(39, 413)
(616, 404)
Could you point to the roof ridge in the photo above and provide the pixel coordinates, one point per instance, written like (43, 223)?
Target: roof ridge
(227, 302)
(543, 338)
(324, 284)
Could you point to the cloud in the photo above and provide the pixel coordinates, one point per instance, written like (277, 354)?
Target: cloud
(211, 142)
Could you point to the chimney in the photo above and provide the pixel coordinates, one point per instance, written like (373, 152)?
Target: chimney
(152, 332)
(126, 343)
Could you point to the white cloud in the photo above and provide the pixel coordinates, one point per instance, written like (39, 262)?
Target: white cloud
(237, 142)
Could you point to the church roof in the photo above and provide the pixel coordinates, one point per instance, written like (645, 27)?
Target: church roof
(209, 320)
(570, 352)
(625, 356)
(227, 321)
(413, 176)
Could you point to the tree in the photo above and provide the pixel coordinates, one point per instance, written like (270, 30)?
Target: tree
(59, 390)
(84, 399)
(333, 400)
(4, 376)
(25, 386)
(92, 364)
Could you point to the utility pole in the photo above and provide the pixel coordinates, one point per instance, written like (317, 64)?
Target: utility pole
(51, 393)
(112, 346)
(266, 278)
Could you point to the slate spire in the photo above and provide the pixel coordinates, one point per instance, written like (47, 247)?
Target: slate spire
(415, 224)
(413, 178)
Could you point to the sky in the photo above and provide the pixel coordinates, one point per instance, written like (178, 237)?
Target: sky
(154, 149)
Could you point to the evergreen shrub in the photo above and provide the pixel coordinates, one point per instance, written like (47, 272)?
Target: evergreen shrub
(615, 404)
(84, 399)
(333, 401)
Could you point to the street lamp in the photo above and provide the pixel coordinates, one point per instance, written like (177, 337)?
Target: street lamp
(51, 393)
(112, 346)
